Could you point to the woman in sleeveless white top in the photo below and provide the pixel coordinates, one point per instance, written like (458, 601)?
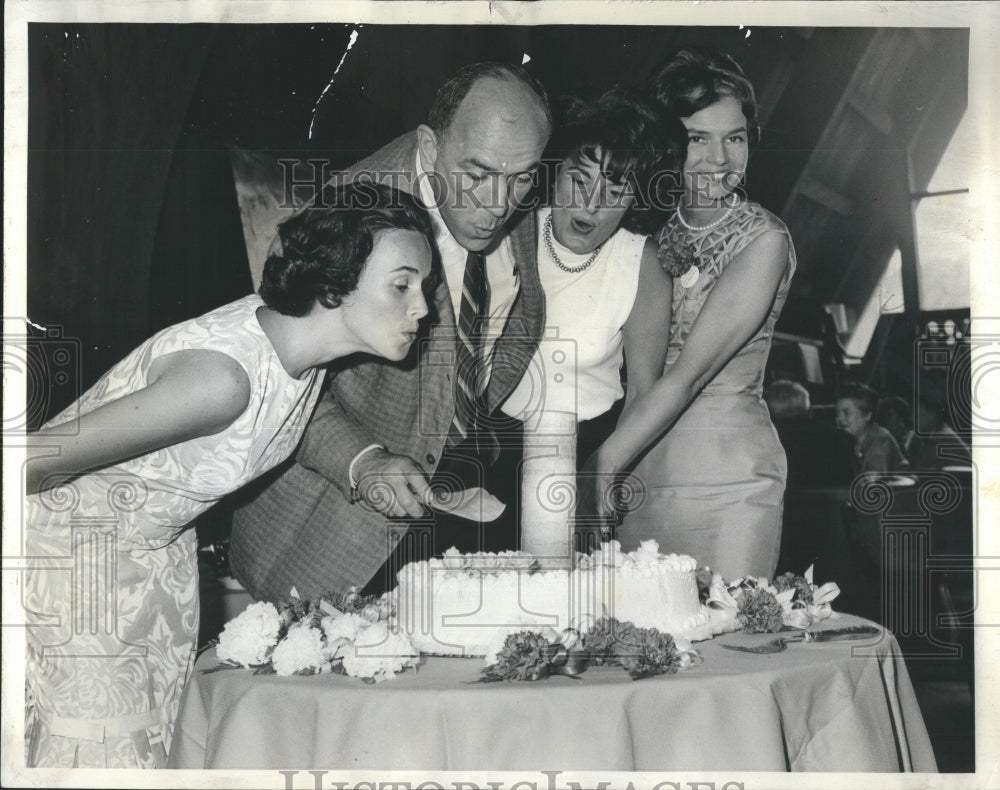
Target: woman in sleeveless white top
(607, 299)
(581, 354)
(195, 412)
(711, 473)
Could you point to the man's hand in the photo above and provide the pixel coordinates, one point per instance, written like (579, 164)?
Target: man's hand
(392, 484)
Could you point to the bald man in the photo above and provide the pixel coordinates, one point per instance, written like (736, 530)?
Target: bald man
(384, 433)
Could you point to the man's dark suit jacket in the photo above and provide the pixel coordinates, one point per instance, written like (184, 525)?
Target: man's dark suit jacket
(303, 529)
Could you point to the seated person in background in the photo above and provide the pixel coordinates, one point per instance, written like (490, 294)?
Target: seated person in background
(896, 415)
(875, 449)
(938, 445)
(819, 456)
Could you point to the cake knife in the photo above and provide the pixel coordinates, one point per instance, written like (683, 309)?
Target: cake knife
(824, 635)
(474, 504)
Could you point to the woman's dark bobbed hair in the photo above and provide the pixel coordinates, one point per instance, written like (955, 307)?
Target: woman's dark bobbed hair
(626, 134)
(696, 78)
(323, 249)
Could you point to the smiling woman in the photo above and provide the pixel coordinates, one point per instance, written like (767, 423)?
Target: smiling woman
(713, 484)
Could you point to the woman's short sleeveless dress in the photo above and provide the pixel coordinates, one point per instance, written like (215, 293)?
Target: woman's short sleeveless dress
(713, 486)
(111, 590)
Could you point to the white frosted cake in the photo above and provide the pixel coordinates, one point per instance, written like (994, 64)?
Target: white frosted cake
(462, 604)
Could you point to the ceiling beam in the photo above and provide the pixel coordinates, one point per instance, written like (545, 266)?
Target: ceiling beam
(825, 195)
(877, 117)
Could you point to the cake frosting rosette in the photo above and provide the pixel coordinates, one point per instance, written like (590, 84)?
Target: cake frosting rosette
(640, 609)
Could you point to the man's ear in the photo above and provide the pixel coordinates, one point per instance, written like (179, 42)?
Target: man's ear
(427, 145)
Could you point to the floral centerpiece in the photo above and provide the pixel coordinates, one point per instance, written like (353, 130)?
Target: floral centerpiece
(348, 634)
(762, 606)
(357, 635)
(536, 654)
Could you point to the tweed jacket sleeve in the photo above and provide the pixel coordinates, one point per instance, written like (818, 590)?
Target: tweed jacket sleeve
(408, 407)
(363, 399)
(332, 441)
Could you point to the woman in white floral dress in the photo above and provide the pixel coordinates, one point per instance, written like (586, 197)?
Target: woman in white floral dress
(194, 413)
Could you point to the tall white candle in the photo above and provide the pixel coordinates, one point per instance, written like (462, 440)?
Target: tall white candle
(548, 489)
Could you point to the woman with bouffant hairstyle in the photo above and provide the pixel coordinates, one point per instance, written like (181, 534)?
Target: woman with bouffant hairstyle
(605, 291)
(194, 413)
(706, 454)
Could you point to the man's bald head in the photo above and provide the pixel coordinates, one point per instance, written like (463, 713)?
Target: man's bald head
(483, 144)
(451, 94)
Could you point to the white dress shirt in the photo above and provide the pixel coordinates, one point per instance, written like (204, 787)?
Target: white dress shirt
(501, 271)
(577, 365)
(501, 274)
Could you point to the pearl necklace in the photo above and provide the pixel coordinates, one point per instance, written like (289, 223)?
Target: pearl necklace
(547, 236)
(710, 225)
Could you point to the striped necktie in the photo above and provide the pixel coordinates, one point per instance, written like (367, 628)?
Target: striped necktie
(470, 373)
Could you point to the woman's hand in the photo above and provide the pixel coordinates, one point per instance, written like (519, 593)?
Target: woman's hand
(595, 492)
(737, 307)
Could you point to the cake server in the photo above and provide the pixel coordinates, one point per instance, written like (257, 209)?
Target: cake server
(475, 504)
(824, 635)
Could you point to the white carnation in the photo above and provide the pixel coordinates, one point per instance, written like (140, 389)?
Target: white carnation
(342, 626)
(249, 636)
(378, 653)
(302, 648)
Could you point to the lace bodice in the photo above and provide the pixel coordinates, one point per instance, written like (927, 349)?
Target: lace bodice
(715, 249)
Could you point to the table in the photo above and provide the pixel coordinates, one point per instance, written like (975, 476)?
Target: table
(833, 706)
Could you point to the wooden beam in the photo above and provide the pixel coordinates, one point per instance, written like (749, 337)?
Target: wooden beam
(810, 99)
(825, 195)
(876, 116)
(899, 190)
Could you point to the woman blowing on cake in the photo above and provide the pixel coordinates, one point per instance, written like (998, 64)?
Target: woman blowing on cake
(192, 414)
(606, 298)
(605, 291)
(713, 484)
